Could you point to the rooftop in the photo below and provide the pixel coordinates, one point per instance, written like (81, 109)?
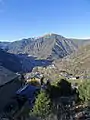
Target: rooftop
(6, 75)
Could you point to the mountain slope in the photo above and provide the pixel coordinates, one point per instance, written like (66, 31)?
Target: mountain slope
(78, 63)
(39, 51)
(51, 46)
(3, 45)
(10, 61)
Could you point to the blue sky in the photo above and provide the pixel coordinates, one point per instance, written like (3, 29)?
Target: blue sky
(30, 18)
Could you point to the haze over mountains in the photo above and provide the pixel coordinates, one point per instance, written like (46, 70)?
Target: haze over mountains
(39, 51)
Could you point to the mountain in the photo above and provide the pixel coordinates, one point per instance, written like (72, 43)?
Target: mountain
(10, 61)
(50, 46)
(41, 51)
(77, 63)
(3, 45)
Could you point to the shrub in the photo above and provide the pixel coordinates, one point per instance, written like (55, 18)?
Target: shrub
(42, 105)
(84, 91)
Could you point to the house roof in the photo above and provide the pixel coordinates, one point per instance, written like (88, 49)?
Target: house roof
(6, 75)
(27, 90)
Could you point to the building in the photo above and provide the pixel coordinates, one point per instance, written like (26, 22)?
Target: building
(27, 93)
(72, 78)
(36, 77)
(27, 90)
(9, 84)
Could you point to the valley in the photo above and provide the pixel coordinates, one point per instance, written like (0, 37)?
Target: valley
(42, 51)
(52, 67)
(44, 59)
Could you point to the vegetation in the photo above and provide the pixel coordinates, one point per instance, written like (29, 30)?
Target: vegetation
(42, 107)
(84, 91)
(60, 88)
(77, 63)
(51, 97)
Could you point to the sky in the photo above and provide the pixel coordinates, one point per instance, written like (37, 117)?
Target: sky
(32, 18)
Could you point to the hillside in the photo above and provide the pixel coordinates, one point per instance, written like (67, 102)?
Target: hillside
(50, 46)
(10, 61)
(78, 63)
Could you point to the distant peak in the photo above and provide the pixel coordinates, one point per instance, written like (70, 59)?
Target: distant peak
(46, 35)
(49, 35)
(53, 34)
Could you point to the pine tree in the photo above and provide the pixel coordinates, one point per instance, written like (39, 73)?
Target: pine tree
(42, 105)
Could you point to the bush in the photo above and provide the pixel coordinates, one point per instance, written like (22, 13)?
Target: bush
(84, 91)
(61, 88)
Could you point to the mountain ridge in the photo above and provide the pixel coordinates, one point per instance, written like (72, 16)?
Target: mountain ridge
(49, 46)
(39, 51)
